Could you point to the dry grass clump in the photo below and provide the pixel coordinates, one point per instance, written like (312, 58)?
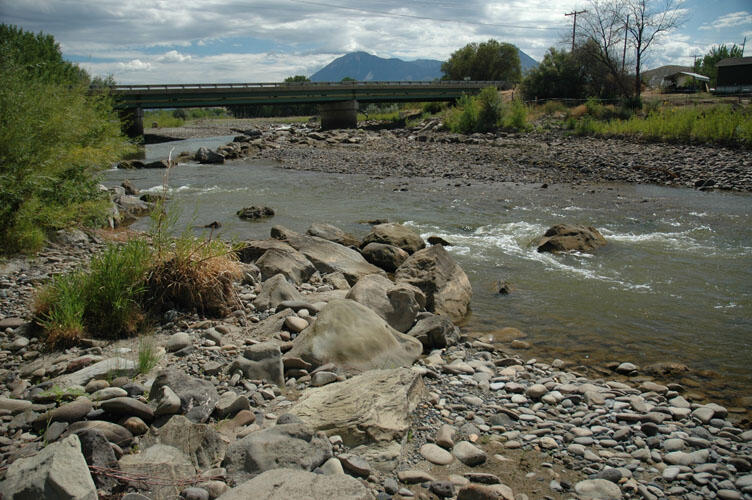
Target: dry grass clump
(197, 275)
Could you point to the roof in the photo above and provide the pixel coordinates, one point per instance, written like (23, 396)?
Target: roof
(734, 61)
(702, 78)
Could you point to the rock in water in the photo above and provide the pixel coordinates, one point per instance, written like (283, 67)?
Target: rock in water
(352, 336)
(396, 235)
(445, 284)
(569, 237)
(255, 213)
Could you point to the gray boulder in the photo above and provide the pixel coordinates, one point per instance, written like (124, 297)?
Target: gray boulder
(290, 263)
(253, 249)
(332, 233)
(397, 304)
(114, 433)
(167, 463)
(255, 213)
(373, 407)
(327, 256)
(197, 397)
(98, 452)
(352, 336)
(284, 484)
(201, 443)
(435, 332)
(132, 206)
(570, 237)
(387, 257)
(108, 367)
(261, 362)
(58, 471)
(274, 291)
(292, 446)
(445, 284)
(396, 235)
(207, 156)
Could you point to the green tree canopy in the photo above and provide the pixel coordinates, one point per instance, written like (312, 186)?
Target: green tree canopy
(485, 61)
(297, 79)
(707, 65)
(571, 75)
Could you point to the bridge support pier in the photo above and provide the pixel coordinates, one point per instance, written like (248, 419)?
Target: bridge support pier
(340, 114)
(132, 121)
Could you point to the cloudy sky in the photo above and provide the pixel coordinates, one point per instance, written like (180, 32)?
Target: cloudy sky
(181, 41)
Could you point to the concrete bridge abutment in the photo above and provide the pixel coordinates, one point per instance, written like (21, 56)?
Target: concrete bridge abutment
(339, 114)
(132, 120)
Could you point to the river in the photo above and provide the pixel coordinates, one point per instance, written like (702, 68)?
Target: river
(674, 282)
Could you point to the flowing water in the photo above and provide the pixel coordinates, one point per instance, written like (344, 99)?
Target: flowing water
(673, 284)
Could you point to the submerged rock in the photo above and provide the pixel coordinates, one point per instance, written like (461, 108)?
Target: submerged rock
(569, 237)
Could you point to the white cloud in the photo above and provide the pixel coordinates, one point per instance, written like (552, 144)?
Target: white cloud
(173, 56)
(729, 21)
(134, 65)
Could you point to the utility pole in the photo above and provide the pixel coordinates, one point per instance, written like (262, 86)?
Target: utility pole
(574, 24)
(744, 43)
(694, 65)
(624, 52)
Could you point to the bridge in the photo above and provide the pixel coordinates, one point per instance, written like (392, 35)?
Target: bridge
(338, 101)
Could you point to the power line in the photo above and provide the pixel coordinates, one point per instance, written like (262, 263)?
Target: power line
(426, 18)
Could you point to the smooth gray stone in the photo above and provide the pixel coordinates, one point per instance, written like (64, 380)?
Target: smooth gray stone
(469, 454)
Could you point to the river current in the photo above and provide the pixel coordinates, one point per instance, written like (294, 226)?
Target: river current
(674, 282)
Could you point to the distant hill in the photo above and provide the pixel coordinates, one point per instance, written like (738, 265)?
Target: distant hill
(365, 67)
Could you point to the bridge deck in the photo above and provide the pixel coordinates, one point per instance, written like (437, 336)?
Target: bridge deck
(228, 94)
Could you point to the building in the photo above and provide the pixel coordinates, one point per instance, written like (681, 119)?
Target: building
(734, 76)
(685, 81)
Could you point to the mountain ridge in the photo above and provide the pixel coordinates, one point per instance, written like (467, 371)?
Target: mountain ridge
(366, 67)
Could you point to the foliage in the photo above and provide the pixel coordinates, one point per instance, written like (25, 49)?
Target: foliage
(707, 65)
(348, 79)
(486, 61)
(53, 138)
(178, 117)
(485, 113)
(297, 79)
(104, 302)
(148, 357)
(515, 116)
(720, 124)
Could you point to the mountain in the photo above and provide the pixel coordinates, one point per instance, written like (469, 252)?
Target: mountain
(365, 67)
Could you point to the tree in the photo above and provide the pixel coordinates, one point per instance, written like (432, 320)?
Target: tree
(486, 61)
(612, 24)
(646, 21)
(707, 65)
(573, 75)
(297, 79)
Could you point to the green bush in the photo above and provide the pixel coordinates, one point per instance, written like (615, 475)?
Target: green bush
(515, 116)
(105, 302)
(489, 110)
(54, 138)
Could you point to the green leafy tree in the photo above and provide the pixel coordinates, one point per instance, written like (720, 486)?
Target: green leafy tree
(54, 137)
(348, 79)
(486, 61)
(707, 65)
(297, 79)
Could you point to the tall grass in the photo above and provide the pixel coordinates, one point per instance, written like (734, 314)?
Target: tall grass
(485, 112)
(720, 124)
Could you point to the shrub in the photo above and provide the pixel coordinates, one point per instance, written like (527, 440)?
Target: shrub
(552, 107)
(515, 116)
(54, 138)
(489, 110)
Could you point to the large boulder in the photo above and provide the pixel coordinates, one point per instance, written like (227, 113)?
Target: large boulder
(373, 407)
(262, 361)
(255, 213)
(397, 304)
(293, 446)
(58, 471)
(253, 249)
(387, 257)
(332, 233)
(114, 433)
(167, 463)
(274, 291)
(327, 256)
(207, 156)
(197, 397)
(445, 284)
(284, 484)
(435, 332)
(396, 235)
(201, 443)
(569, 238)
(354, 337)
(290, 263)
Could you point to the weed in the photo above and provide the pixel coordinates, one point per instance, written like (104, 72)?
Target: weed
(515, 116)
(148, 357)
(59, 394)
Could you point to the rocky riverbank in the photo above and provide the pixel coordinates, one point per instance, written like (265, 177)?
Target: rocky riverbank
(545, 157)
(315, 385)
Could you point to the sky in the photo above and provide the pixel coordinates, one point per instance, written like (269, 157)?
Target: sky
(221, 41)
